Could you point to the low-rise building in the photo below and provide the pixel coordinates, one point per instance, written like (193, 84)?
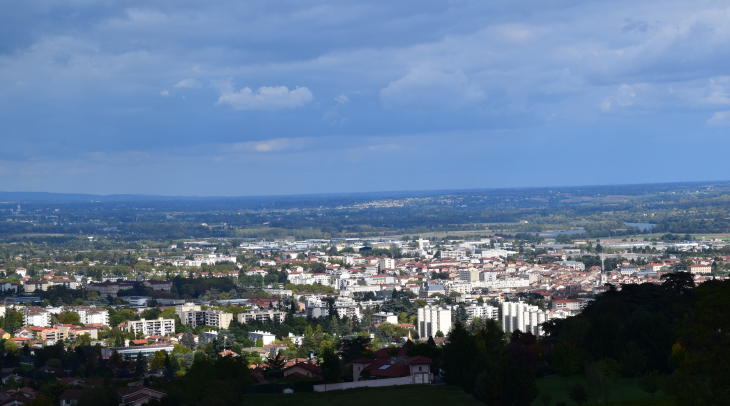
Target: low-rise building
(144, 350)
(266, 338)
(700, 269)
(570, 304)
(380, 318)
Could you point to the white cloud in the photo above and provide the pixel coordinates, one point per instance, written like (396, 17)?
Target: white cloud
(164, 93)
(189, 82)
(720, 118)
(341, 99)
(424, 87)
(266, 98)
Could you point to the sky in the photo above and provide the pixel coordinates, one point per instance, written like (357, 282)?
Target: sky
(236, 98)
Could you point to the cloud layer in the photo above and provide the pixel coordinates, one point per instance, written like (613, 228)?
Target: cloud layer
(357, 86)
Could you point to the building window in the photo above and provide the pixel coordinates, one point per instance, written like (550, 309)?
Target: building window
(419, 368)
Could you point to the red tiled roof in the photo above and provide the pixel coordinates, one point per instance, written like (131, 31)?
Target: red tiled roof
(309, 367)
(383, 368)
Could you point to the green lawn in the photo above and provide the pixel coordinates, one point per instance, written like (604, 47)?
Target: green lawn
(625, 393)
(387, 396)
(623, 390)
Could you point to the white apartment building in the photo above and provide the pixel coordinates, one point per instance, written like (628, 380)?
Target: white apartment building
(159, 327)
(523, 317)
(344, 306)
(570, 304)
(261, 315)
(452, 254)
(92, 315)
(193, 314)
(484, 312)
(461, 288)
(299, 278)
(267, 338)
(36, 316)
(497, 253)
(386, 263)
(432, 319)
(508, 283)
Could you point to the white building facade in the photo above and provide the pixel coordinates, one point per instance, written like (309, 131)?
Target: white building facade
(523, 317)
(159, 327)
(432, 319)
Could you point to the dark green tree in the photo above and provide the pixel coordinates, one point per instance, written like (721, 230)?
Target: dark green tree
(701, 354)
(506, 381)
(650, 382)
(330, 365)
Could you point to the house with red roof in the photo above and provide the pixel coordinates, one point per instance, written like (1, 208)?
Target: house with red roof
(303, 370)
(140, 395)
(393, 363)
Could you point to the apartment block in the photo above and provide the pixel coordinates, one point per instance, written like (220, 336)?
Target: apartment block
(159, 327)
(194, 315)
(469, 275)
(36, 316)
(261, 315)
(523, 317)
(432, 319)
(484, 312)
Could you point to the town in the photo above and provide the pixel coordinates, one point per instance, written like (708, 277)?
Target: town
(289, 307)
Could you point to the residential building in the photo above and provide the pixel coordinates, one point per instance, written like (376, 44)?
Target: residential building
(484, 312)
(192, 314)
(141, 395)
(380, 318)
(523, 317)
(266, 338)
(700, 269)
(317, 306)
(432, 319)
(386, 263)
(469, 275)
(36, 316)
(92, 315)
(570, 304)
(218, 318)
(160, 327)
(261, 315)
(32, 286)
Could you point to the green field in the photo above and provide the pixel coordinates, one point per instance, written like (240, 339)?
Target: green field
(623, 391)
(388, 396)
